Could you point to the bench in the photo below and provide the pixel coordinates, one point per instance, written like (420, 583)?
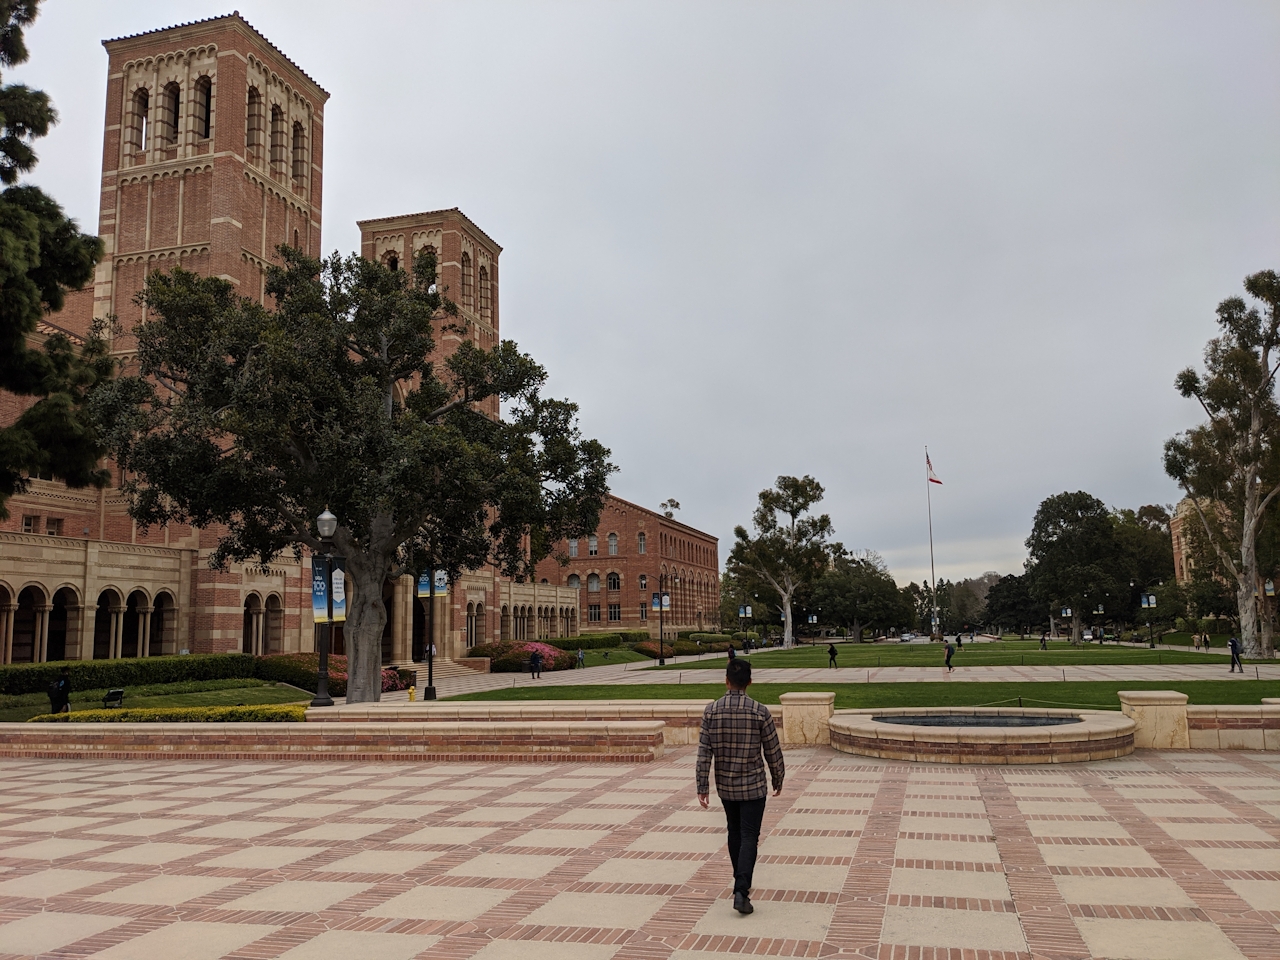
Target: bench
(114, 698)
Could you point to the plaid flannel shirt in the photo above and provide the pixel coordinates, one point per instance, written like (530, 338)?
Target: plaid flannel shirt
(735, 731)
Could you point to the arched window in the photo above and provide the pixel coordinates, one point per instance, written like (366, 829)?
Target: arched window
(486, 307)
(139, 117)
(431, 249)
(299, 154)
(575, 582)
(278, 147)
(593, 583)
(613, 544)
(466, 282)
(391, 260)
(296, 241)
(573, 546)
(593, 545)
(255, 128)
(614, 581)
(640, 543)
(170, 113)
(204, 108)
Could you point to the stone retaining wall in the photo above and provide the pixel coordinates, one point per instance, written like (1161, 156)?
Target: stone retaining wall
(579, 741)
(1232, 727)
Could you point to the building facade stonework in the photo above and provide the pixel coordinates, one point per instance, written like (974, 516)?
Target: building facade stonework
(213, 150)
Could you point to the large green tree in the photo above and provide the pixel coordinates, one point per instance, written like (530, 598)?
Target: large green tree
(1229, 466)
(789, 549)
(1075, 559)
(255, 419)
(1009, 604)
(857, 591)
(43, 254)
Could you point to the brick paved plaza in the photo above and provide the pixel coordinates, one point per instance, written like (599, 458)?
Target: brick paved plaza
(1158, 855)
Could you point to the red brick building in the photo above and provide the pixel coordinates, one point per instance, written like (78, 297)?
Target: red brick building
(619, 568)
(212, 156)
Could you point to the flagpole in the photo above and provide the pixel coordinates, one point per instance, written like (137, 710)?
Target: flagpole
(932, 573)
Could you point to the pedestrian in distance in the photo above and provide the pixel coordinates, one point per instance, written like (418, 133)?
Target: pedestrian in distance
(1234, 643)
(732, 656)
(1044, 640)
(959, 641)
(582, 659)
(60, 692)
(739, 739)
(535, 665)
(950, 650)
(831, 655)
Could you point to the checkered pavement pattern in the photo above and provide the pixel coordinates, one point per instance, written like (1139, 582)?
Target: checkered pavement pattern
(1159, 855)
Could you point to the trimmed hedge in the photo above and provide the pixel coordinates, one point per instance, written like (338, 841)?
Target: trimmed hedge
(681, 648)
(264, 713)
(509, 656)
(98, 674)
(594, 641)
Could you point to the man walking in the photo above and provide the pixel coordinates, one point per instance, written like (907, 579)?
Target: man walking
(739, 736)
(535, 665)
(831, 655)
(1235, 655)
(950, 651)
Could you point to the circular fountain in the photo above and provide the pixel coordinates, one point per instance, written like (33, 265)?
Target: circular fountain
(983, 734)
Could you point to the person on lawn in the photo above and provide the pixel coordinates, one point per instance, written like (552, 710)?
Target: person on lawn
(831, 655)
(739, 738)
(950, 650)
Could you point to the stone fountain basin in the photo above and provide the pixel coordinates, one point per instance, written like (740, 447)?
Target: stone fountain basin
(980, 735)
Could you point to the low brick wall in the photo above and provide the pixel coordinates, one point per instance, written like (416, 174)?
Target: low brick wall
(681, 719)
(580, 741)
(1099, 735)
(1234, 727)
(478, 664)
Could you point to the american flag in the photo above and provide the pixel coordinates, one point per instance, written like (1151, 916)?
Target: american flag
(928, 465)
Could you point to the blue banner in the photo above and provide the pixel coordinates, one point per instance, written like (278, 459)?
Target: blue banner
(657, 602)
(320, 589)
(441, 586)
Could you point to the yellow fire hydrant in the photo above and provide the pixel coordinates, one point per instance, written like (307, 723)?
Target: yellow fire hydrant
(413, 694)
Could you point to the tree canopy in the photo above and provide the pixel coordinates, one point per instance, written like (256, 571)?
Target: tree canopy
(43, 254)
(857, 592)
(254, 419)
(789, 549)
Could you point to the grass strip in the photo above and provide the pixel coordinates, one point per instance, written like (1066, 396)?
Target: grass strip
(1095, 695)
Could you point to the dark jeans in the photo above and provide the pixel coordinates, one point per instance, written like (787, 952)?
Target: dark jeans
(1235, 662)
(744, 818)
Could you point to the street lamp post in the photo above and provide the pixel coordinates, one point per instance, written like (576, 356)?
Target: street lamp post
(327, 525)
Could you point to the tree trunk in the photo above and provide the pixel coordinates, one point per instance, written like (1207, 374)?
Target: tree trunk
(366, 618)
(1075, 626)
(787, 636)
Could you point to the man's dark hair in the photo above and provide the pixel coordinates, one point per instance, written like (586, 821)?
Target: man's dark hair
(738, 673)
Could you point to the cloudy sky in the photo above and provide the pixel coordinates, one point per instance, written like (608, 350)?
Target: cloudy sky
(753, 239)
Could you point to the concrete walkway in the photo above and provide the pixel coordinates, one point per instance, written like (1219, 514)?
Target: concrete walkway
(633, 673)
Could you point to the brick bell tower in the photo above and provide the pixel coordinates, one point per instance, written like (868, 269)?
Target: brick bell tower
(212, 156)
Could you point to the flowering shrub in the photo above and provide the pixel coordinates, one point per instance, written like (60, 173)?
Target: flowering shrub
(513, 656)
(299, 670)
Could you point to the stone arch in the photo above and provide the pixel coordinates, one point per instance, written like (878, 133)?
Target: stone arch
(170, 117)
(30, 624)
(107, 623)
(299, 155)
(64, 623)
(138, 120)
(504, 630)
(204, 108)
(163, 635)
(470, 632)
(255, 132)
(279, 147)
(482, 630)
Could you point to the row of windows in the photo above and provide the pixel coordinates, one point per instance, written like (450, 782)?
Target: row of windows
(141, 129)
(287, 155)
(613, 581)
(392, 261)
(593, 545)
(52, 525)
(682, 549)
(615, 612)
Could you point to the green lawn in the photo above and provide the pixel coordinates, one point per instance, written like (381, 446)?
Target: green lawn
(215, 693)
(1095, 695)
(598, 658)
(1001, 653)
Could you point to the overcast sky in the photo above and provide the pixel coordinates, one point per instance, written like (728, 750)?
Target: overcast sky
(755, 239)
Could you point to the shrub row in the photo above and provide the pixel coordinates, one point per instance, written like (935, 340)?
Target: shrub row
(101, 674)
(509, 656)
(681, 648)
(264, 713)
(297, 669)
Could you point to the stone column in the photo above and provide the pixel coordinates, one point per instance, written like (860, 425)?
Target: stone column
(144, 630)
(42, 632)
(1161, 718)
(255, 627)
(806, 717)
(402, 620)
(75, 635)
(117, 633)
(7, 613)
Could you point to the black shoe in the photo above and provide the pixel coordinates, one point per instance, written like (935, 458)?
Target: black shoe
(741, 903)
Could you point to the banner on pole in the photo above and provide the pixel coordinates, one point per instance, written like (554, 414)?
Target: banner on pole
(338, 579)
(320, 589)
(657, 602)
